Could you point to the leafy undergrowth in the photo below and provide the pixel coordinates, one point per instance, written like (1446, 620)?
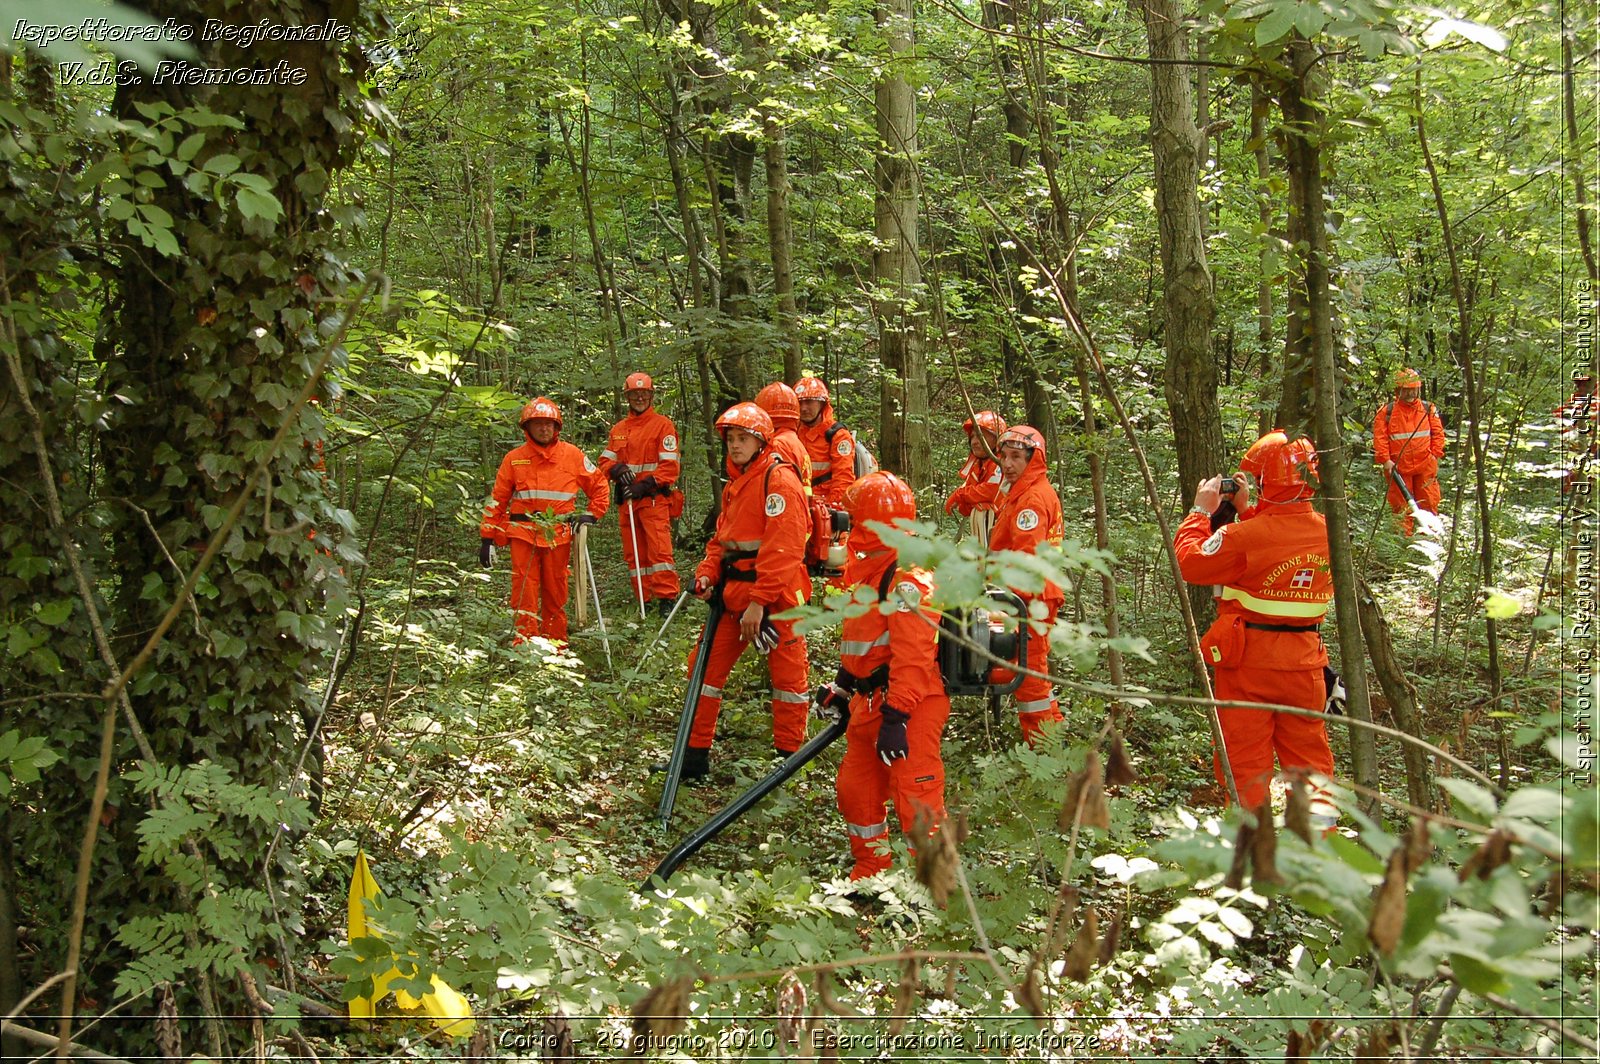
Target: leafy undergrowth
(505, 798)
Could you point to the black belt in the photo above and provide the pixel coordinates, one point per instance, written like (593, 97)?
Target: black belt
(823, 479)
(520, 517)
(1282, 627)
(872, 682)
(741, 576)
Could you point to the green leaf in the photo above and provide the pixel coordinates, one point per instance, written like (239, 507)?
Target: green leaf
(191, 146)
(1276, 24)
(1473, 798)
(253, 204)
(1499, 605)
(1535, 803)
(221, 165)
(1310, 19)
(55, 613)
(1476, 975)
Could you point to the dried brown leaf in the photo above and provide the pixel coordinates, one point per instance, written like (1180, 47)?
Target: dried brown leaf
(936, 858)
(905, 997)
(1264, 849)
(1389, 904)
(792, 1015)
(1085, 788)
(1418, 845)
(1495, 851)
(1119, 767)
(1297, 814)
(1241, 856)
(169, 1036)
(557, 1041)
(661, 1013)
(1111, 940)
(1294, 1052)
(1377, 1043)
(1028, 995)
(1085, 949)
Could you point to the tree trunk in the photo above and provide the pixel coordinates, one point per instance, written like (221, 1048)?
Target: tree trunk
(1573, 150)
(1400, 692)
(904, 441)
(1259, 108)
(1304, 132)
(780, 236)
(1191, 373)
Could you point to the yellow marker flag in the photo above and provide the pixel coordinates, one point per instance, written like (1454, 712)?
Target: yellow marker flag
(448, 1008)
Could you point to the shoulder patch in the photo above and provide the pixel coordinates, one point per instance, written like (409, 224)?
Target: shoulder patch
(588, 466)
(775, 505)
(669, 442)
(1028, 520)
(844, 448)
(1214, 544)
(908, 595)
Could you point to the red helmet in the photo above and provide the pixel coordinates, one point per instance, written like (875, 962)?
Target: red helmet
(1022, 436)
(747, 416)
(540, 407)
(879, 496)
(810, 388)
(1407, 378)
(639, 382)
(1280, 466)
(779, 401)
(984, 419)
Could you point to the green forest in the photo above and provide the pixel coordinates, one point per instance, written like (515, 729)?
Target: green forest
(280, 280)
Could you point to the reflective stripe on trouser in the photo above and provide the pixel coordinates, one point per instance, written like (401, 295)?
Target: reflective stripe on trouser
(1424, 487)
(1036, 698)
(1254, 736)
(866, 785)
(651, 573)
(787, 666)
(539, 589)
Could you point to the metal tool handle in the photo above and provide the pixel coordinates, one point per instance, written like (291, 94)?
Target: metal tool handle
(691, 699)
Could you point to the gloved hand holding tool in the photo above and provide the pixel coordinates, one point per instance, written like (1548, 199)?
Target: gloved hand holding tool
(892, 744)
(486, 553)
(643, 487)
(580, 520)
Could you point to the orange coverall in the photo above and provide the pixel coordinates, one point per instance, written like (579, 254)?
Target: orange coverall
(980, 487)
(1030, 514)
(646, 443)
(899, 652)
(541, 480)
(789, 447)
(758, 555)
(1412, 436)
(833, 458)
(1264, 646)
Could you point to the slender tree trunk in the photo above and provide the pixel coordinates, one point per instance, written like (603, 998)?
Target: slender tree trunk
(1400, 692)
(904, 438)
(1259, 108)
(1191, 372)
(1303, 132)
(1462, 350)
(780, 236)
(1572, 155)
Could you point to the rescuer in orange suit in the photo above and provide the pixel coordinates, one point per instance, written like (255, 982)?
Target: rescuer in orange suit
(541, 478)
(756, 562)
(1408, 439)
(1030, 514)
(783, 407)
(641, 459)
(889, 676)
(1264, 646)
(832, 447)
(980, 476)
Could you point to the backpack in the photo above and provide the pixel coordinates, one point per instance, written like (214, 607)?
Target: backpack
(864, 462)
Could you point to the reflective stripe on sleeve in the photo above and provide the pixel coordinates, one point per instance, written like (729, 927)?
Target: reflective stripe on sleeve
(642, 467)
(861, 646)
(667, 456)
(1273, 608)
(609, 454)
(741, 544)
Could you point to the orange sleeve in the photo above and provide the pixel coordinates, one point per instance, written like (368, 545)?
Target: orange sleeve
(781, 561)
(1207, 557)
(610, 456)
(1436, 438)
(842, 465)
(913, 650)
(1380, 436)
(595, 485)
(666, 456)
(497, 510)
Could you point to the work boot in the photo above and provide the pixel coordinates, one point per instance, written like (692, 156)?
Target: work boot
(664, 607)
(696, 764)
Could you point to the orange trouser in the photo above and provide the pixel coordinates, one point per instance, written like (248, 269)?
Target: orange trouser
(1424, 487)
(1253, 736)
(865, 784)
(1036, 698)
(787, 666)
(650, 569)
(539, 589)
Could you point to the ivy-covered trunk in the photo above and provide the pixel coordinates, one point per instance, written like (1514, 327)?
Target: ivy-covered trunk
(223, 289)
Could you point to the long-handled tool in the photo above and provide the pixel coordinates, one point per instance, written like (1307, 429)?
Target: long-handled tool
(691, 699)
(638, 562)
(1399, 482)
(594, 589)
(580, 577)
(742, 804)
(662, 630)
(980, 523)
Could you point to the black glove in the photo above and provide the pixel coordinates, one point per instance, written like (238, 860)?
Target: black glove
(622, 474)
(892, 735)
(1224, 513)
(486, 553)
(828, 700)
(578, 521)
(766, 636)
(643, 487)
